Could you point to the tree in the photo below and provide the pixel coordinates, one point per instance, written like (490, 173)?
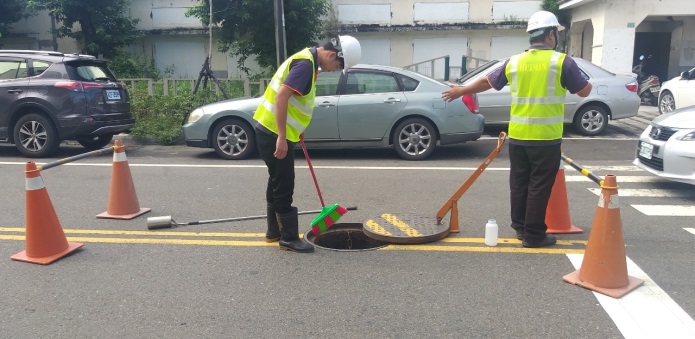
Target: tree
(562, 16)
(246, 27)
(105, 25)
(11, 11)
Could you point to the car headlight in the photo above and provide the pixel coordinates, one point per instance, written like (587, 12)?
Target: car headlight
(195, 115)
(688, 137)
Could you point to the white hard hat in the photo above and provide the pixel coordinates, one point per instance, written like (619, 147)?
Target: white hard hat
(543, 19)
(349, 50)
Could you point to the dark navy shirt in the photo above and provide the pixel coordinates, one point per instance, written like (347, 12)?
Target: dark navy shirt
(571, 78)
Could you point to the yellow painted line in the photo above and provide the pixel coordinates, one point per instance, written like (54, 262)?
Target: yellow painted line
(488, 249)
(376, 228)
(409, 231)
(240, 243)
(158, 233)
(508, 241)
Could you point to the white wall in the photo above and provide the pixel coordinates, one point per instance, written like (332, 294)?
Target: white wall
(505, 46)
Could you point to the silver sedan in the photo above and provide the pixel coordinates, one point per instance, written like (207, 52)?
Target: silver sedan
(369, 106)
(666, 148)
(612, 97)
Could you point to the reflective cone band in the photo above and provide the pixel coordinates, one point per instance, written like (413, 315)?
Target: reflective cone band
(123, 202)
(45, 239)
(604, 267)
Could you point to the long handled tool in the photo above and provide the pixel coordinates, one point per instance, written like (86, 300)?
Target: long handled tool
(452, 203)
(154, 223)
(583, 170)
(329, 214)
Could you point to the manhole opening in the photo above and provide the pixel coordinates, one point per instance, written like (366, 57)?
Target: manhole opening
(344, 237)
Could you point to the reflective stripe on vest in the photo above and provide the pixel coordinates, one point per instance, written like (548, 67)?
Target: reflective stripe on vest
(538, 98)
(299, 108)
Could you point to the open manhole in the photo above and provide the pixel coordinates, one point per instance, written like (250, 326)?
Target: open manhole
(344, 237)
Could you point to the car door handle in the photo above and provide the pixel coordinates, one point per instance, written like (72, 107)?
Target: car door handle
(391, 100)
(14, 91)
(326, 104)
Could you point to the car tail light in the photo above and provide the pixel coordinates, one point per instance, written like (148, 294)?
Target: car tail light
(632, 86)
(471, 103)
(70, 85)
(77, 86)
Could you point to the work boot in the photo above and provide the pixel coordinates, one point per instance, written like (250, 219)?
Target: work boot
(289, 231)
(548, 241)
(273, 232)
(519, 233)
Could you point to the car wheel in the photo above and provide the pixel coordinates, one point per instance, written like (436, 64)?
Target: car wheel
(666, 102)
(233, 139)
(591, 120)
(35, 136)
(95, 142)
(414, 139)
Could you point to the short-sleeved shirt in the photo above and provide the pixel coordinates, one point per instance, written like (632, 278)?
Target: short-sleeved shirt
(298, 79)
(571, 78)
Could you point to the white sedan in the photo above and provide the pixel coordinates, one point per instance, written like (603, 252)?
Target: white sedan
(666, 148)
(678, 92)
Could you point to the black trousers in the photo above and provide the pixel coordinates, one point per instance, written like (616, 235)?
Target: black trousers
(280, 187)
(531, 179)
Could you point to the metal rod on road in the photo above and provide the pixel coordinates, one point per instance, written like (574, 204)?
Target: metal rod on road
(583, 170)
(74, 158)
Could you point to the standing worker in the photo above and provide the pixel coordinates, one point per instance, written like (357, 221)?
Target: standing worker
(282, 116)
(538, 80)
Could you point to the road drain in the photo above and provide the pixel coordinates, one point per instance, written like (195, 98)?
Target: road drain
(344, 237)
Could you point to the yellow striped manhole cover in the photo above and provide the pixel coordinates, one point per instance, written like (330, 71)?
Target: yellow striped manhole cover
(405, 228)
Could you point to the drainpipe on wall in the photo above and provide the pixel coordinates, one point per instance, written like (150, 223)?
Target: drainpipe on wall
(53, 32)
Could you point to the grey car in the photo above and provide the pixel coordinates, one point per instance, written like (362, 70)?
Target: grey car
(368, 106)
(612, 97)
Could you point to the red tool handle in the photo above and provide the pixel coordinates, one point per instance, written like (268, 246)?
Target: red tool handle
(311, 168)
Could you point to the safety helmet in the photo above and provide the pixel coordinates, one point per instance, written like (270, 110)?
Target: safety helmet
(543, 19)
(349, 51)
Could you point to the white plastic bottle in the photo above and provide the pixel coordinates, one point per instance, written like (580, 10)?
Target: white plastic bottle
(491, 230)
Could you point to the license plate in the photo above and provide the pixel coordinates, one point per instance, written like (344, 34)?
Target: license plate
(655, 89)
(113, 94)
(646, 150)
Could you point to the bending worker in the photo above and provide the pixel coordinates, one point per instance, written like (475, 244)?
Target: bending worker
(282, 116)
(538, 80)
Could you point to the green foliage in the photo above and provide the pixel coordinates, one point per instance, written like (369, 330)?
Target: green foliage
(129, 65)
(247, 27)
(11, 11)
(554, 6)
(105, 25)
(158, 117)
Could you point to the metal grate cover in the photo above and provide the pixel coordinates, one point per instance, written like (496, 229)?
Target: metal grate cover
(405, 228)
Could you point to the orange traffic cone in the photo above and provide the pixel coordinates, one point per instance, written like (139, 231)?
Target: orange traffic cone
(557, 214)
(604, 267)
(45, 240)
(123, 202)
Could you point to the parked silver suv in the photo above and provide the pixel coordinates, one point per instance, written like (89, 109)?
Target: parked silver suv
(47, 97)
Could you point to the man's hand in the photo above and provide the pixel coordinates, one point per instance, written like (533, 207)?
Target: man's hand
(452, 93)
(280, 148)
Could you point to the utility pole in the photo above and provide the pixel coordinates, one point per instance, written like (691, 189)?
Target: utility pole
(280, 42)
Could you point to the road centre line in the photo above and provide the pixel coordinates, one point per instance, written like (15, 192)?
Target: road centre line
(647, 312)
(389, 168)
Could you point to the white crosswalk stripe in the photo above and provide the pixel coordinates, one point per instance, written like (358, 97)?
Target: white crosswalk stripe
(691, 230)
(666, 210)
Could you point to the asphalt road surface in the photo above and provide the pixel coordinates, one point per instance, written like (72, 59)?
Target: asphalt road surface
(223, 281)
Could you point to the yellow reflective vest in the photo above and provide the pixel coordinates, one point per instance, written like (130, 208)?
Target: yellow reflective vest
(538, 97)
(299, 108)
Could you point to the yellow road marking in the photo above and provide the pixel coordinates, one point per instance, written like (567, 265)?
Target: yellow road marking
(508, 241)
(409, 231)
(262, 243)
(121, 232)
(376, 228)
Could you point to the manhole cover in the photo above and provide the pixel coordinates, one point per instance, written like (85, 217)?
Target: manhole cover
(405, 228)
(344, 237)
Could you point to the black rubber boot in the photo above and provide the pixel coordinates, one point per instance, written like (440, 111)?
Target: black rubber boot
(273, 232)
(289, 230)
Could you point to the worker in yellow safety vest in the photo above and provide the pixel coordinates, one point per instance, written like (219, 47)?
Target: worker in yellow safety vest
(282, 116)
(538, 80)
